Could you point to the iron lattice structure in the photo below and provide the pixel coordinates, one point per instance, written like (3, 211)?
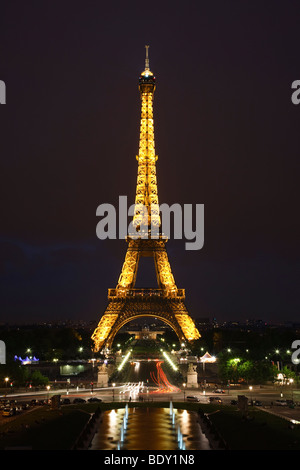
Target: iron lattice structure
(126, 303)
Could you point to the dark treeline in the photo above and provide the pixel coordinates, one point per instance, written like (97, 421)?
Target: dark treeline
(65, 343)
(46, 343)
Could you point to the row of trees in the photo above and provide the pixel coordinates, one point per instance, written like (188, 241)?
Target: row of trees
(249, 356)
(47, 343)
(234, 370)
(14, 374)
(72, 343)
(43, 343)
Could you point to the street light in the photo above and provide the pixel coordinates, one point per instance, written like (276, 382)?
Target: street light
(250, 388)
(113, 391)
(6, 380)
(184, 385)
(291, 382)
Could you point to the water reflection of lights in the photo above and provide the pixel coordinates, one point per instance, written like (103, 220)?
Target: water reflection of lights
(123, 428)
(113, 416)
(185, 422)
(141, 428)
(176, 425)
(114, 421)
(184, 414)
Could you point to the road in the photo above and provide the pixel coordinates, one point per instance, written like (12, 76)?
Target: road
(149, 381)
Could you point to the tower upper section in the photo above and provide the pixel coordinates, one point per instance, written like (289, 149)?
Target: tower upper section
(146, 214)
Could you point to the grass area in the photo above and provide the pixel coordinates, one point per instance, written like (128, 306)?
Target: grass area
(261, 431)
(44, 429)
(58, 429)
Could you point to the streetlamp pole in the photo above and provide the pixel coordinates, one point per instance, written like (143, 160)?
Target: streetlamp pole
(184, 385)
(291, 382)
(6, 380)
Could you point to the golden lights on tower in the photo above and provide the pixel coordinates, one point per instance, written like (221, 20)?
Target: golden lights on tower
(125, 302)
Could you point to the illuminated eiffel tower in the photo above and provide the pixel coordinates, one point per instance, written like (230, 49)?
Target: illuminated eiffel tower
(126, 302)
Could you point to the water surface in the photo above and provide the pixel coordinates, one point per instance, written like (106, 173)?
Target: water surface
(149, 429)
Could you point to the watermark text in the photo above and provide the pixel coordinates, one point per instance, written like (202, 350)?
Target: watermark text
(2, 92)
(188, 222)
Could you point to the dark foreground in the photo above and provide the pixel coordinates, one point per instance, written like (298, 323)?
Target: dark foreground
(46, 429)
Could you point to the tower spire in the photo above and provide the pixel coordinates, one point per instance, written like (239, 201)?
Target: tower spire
(147, 59)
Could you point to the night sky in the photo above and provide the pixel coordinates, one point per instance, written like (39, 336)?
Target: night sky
(226, 134)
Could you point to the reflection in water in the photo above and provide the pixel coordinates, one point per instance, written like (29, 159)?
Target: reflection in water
(192, 434)
(149, 429)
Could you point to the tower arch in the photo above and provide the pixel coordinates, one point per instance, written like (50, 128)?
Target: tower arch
(120, 325)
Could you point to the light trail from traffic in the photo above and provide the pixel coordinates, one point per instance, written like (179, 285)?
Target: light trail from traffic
(164, 386)
(125, 359)
(174, 367)
(133, 389)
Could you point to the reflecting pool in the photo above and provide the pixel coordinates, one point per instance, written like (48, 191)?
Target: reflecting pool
(150, 428)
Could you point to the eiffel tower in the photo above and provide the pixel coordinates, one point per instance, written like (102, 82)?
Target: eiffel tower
(126, 302)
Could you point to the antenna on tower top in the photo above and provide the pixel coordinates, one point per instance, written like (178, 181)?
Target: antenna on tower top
(147, 59)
